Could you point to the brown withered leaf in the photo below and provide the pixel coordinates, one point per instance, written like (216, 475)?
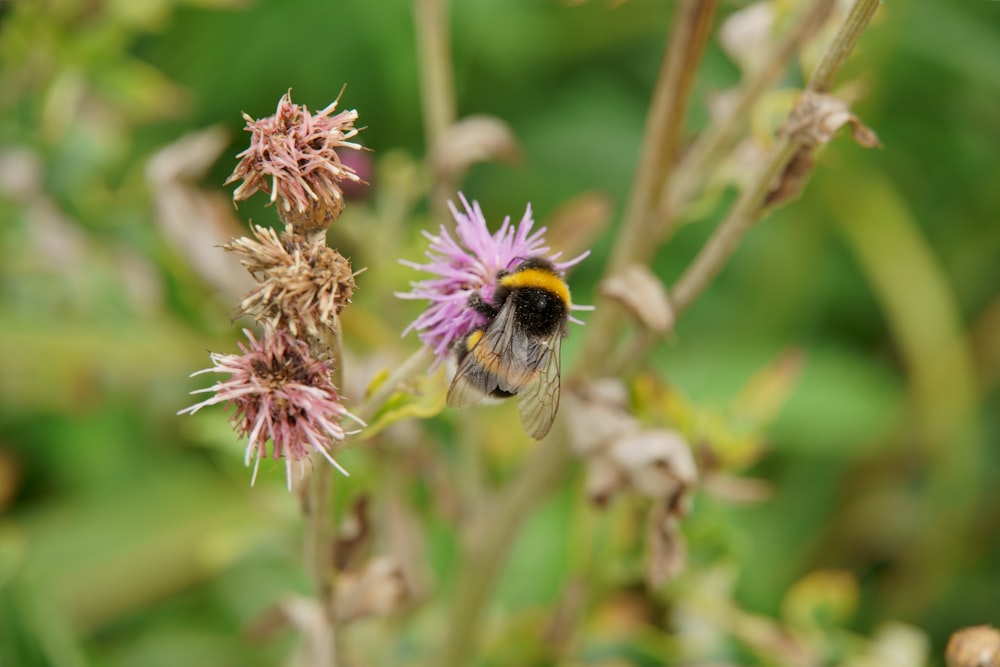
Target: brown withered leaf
(378, 589)
(976, 646)
(598, 415)
(643, 296)
(793, 178)
(814, 121)
(667, 550)
(817, 117)
(658, 464)
(478, 138)
(194, 221)
(605, 480)
(747, 35)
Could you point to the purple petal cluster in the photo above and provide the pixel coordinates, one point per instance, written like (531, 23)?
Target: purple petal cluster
(465, 263)
(282, 394)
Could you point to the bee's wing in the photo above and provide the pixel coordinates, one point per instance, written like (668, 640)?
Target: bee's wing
(539, 401)
(497, 361)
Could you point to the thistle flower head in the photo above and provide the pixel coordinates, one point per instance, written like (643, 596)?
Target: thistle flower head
(466, 264)
(281, 393)
(304, 284)
(293, 157)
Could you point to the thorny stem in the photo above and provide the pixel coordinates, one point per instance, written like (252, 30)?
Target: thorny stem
(493, 531)
(749, 207)
(437, 85)
(685, 47)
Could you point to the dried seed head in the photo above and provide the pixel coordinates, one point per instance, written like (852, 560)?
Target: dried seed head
(303, 284)
(293, 157)
(978, 646)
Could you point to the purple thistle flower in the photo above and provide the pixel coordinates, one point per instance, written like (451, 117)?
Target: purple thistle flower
(467, 263)
(281, 393)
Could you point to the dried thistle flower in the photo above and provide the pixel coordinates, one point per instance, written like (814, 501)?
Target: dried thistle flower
(303, 284)
(977, 646)
(281, 394)
(293, 157)
(468, 265)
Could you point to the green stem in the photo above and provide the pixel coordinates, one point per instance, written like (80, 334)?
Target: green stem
(412, 365)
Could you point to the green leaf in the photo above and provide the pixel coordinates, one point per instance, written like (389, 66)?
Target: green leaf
(420, 398)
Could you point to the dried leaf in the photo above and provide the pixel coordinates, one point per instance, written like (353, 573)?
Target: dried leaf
(377, 590)
(658, 463)
(643, 295)
(196, 222)
(747, 36)
(306, 615)
(597, 415)
(667, 554)
(817, 117)
(793, 178)
(605, 480)
(473, 139)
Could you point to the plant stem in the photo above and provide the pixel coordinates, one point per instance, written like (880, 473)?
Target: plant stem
(491, 535)
(410, 366)
(494, 529)
(721, 135)
(319, 555)
(437, 86)
(749, 207)
(685, 47)
(319, 533)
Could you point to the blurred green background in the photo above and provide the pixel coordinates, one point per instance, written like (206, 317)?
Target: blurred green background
(131, 537)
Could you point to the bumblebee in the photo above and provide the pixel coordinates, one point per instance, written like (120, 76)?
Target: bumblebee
(517, 351)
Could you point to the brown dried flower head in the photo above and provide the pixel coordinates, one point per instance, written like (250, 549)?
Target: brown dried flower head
(977, 646)
(293, 157)
(303, 284)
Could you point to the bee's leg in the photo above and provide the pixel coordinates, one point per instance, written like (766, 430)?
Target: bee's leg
(478, 304)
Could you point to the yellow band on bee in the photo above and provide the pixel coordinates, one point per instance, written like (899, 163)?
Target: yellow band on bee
(540, 278)
(473, 338)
